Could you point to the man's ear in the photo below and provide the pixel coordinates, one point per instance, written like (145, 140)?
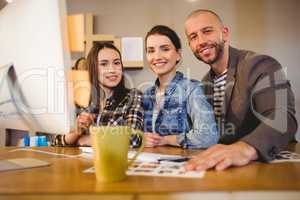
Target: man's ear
(225, 32)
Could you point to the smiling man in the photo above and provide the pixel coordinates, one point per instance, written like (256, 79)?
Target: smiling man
(252, 99)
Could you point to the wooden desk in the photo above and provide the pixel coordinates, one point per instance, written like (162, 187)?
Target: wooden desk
(64, 180)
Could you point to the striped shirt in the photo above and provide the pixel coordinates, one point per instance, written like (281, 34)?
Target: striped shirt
(219, 94)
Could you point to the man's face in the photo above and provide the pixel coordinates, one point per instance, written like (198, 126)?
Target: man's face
(206, 37)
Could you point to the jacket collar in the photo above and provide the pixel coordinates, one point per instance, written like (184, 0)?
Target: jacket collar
(230, 79)
(172, 85)
(232, 63)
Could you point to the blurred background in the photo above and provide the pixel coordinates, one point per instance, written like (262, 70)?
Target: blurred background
(266, 26)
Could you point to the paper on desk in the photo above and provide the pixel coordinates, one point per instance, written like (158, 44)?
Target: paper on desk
(21, 163)
(147, 164)
(286, 156)
(142, 157)
(162, 169)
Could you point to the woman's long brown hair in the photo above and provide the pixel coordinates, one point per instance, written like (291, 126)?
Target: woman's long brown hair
(119, 92)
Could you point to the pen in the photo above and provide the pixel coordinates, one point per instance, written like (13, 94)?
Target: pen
(183, 159)
(98, 119)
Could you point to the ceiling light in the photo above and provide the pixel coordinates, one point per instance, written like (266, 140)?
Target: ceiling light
(191, 1)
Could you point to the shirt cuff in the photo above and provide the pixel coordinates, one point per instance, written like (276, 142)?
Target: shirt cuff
(180, 139)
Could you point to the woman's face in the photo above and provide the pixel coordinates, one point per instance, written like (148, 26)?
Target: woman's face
(161, 54)
(109, 68)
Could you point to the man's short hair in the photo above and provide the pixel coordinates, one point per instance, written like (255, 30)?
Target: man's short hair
(201, 11)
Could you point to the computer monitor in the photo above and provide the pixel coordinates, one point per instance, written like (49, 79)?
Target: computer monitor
(34, 39)
(13, 104)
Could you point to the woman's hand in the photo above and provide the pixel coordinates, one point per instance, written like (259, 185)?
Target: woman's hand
(84, 120)
(154, 139)
(72, 137)
(84, 140)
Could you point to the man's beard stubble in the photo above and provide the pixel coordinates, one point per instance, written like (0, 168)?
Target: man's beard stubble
(219, 50)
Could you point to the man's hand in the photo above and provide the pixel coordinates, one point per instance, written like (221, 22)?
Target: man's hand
(221, 157)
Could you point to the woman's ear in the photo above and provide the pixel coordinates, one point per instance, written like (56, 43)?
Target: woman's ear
(179, 52)
(178, 59)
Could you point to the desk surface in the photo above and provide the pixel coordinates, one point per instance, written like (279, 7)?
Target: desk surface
(65, 176)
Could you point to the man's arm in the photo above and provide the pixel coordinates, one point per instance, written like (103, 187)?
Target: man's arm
(272, 103)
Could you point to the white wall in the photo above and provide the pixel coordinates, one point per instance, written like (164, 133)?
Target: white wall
(266, 26)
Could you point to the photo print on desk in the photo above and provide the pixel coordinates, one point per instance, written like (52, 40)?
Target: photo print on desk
(286, 156)
(163, 169)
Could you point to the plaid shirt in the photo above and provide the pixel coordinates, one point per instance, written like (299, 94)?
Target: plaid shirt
(129, 112)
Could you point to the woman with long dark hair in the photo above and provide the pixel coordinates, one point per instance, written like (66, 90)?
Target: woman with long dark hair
(111, 103)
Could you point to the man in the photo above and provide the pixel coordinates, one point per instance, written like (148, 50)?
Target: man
(252, 100)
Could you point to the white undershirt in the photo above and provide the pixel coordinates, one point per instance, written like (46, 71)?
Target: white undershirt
(159, 102)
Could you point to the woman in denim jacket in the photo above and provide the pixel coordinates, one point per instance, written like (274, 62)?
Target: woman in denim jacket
(176, 110)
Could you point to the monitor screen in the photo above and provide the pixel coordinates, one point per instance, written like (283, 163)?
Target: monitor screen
(34, 93)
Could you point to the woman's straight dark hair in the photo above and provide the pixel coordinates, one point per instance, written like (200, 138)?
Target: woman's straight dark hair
(119, 92)
(166, 31)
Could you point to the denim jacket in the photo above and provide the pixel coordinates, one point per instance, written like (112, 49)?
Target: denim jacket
(185, 113)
